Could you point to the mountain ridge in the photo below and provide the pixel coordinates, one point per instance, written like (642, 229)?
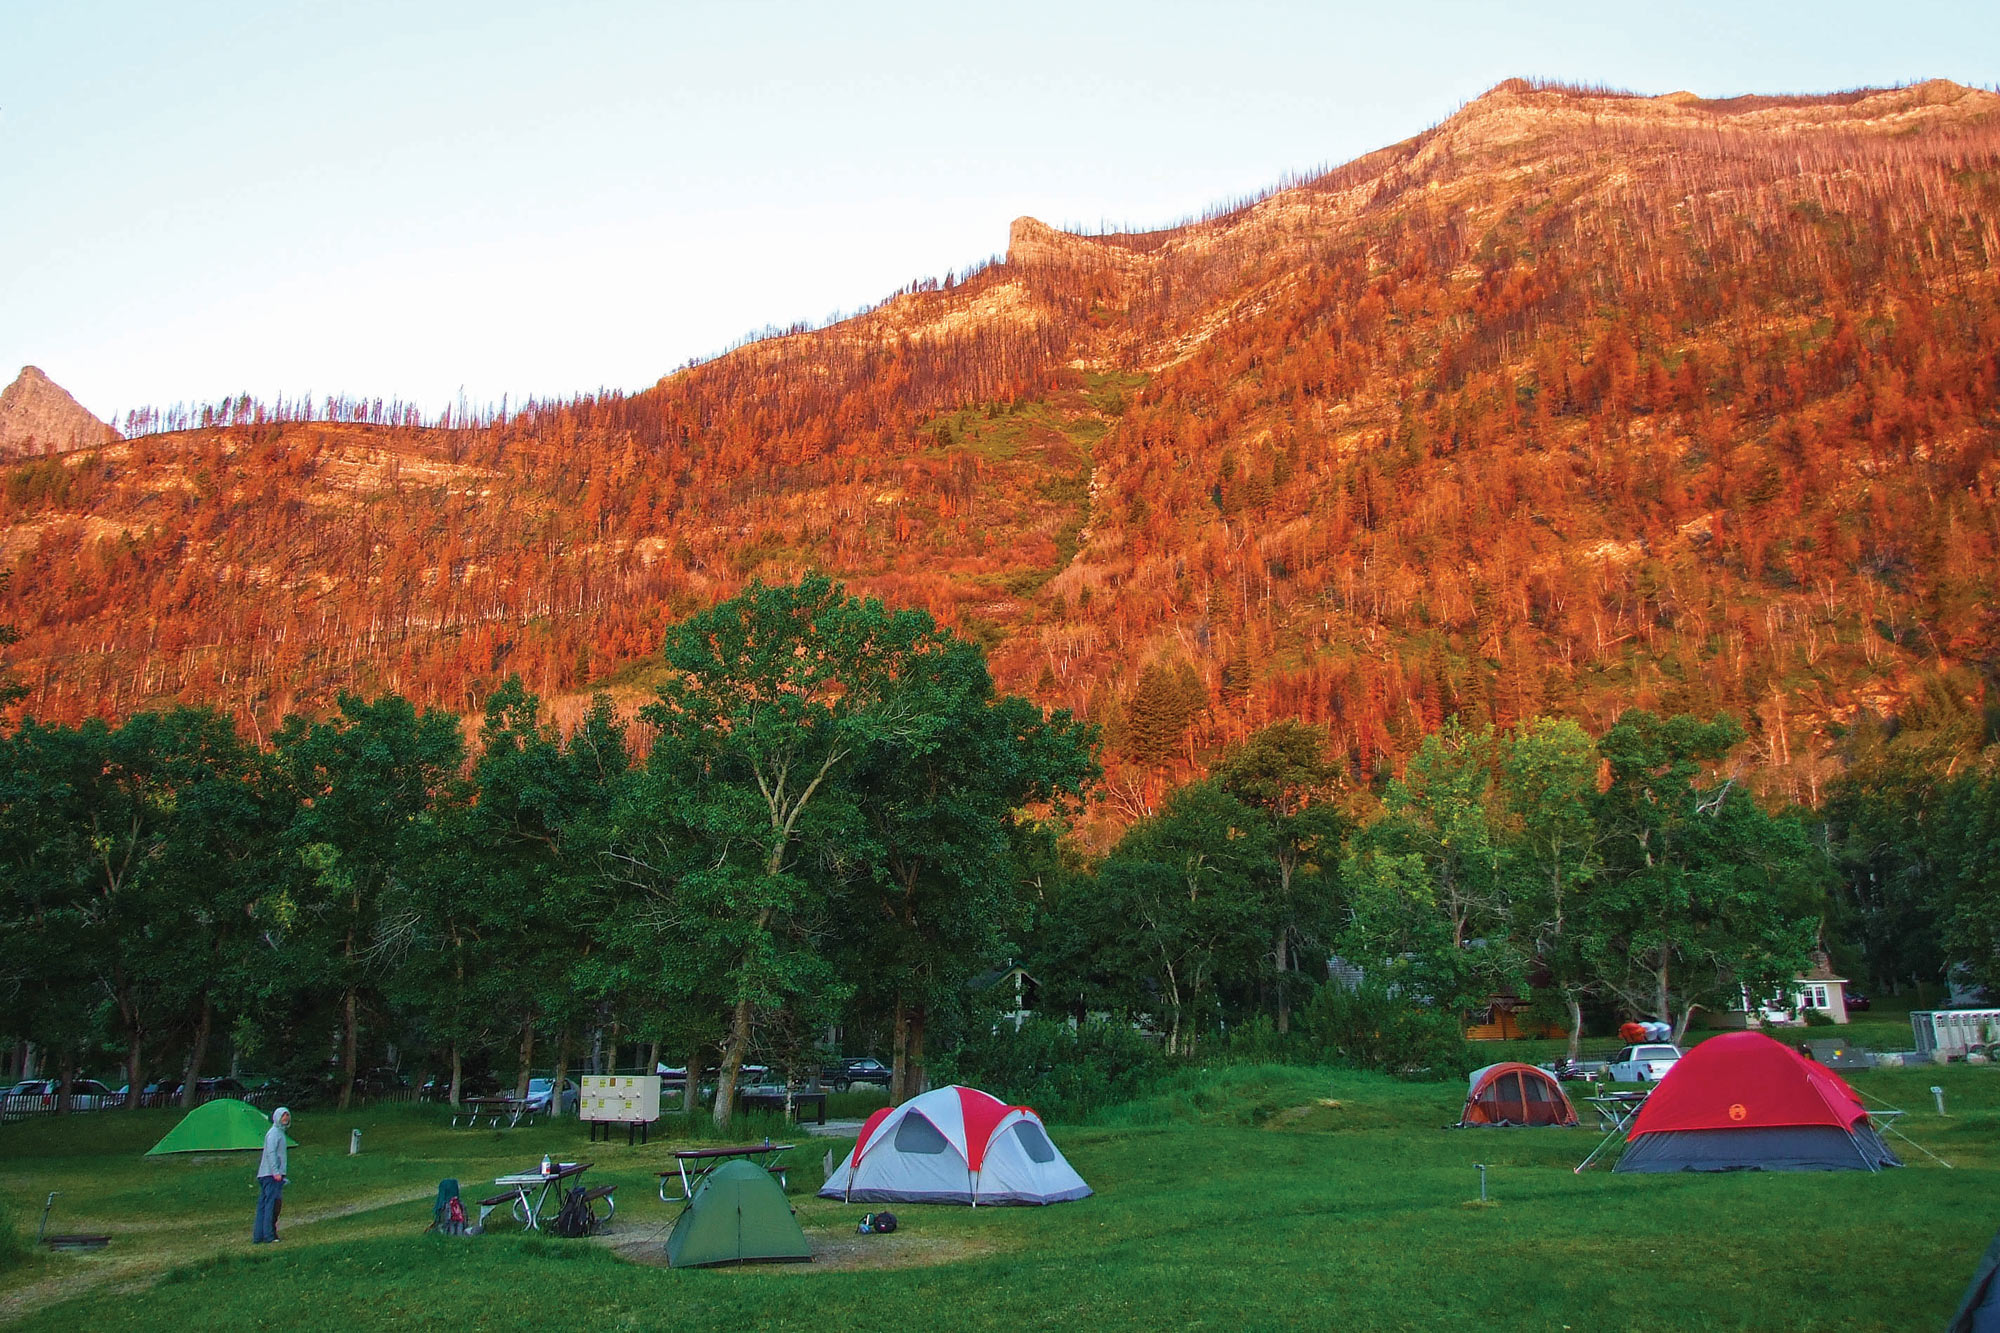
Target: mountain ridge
(1575, 401)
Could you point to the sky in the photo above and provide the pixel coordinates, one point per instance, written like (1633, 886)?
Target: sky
(427, 200)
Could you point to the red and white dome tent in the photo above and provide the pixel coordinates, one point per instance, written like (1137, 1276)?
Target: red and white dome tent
(955, 1145)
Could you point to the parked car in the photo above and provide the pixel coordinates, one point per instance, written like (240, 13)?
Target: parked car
(208, 1089)
(1647, 1063)
(1857, 1003)
(85, 1094)
(437, 1088)
(160, 1092)
(379, 1082)
(847, 1072)
(539, 1096)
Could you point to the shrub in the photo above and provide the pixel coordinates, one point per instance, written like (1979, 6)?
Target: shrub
(1369, 1027)
(1063, 1071)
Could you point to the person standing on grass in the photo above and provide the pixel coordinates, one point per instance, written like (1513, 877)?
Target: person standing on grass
(271, 1178)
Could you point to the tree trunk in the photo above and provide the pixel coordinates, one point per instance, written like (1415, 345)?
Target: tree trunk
(527, 1058)
(733, 1048)
(1284, 991)
(457, 1072)
(899, 1056)
(562, 1071)
(1575, 1026)
(691, 1083)
(915, 1078)
(350, 1047)
(197, 1052)
(132, 1080)
(67, 1082)
(653, 1059)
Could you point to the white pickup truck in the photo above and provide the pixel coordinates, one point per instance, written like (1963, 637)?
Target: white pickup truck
(1647, 1063)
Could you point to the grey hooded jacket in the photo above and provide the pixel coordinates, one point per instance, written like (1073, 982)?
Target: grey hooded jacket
(272, 1163)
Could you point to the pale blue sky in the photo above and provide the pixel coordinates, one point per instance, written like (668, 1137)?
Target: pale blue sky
(400, 198)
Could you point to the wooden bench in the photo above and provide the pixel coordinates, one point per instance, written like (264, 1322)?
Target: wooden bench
(596, 1192)
(497, 1201)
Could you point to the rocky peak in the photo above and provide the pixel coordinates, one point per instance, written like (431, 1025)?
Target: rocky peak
(37, 416)
(1033, 243)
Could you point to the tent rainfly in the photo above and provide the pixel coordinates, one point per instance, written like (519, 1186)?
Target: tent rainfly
(1743, 1102)
(955, 1145)
(223, 1125)
(1511, 1093)
(738, 1215)
(1979, 1312)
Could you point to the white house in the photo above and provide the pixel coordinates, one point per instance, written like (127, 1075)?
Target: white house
(1816, 988)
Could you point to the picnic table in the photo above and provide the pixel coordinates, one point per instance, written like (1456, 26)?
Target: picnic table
(1616, 1109)
(510, 1109)
(522, 1184)
(706, 1160)
(773, 1099)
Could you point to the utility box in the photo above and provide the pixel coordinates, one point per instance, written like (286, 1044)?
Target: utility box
(1841, 1055)
(1950, 1032)
(621, 1099)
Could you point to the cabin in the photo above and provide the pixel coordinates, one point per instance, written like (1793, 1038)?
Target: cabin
(1816, 989)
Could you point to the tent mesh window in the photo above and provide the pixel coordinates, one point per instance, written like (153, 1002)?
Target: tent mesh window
(1037, 1143)
(919, 1135)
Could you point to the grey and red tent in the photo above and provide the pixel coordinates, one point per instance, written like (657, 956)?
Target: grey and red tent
(1743, 1102)
(955, 1145)
(1511, 1093)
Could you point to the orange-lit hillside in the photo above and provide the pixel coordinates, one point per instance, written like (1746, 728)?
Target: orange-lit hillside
(1574, 402)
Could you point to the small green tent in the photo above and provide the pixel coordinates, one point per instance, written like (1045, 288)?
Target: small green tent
(738, 1216)
(223, 1125)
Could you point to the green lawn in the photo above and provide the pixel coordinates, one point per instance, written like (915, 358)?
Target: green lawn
(1245, 1197)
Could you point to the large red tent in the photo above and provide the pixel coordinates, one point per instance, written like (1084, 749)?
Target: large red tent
(1746, 1102)
(1512, 1093)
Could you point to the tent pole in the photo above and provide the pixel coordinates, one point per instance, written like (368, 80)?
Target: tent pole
(1855, 1144)
(1602, 1145)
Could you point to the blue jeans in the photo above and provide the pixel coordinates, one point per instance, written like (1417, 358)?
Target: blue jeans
(270, 1191)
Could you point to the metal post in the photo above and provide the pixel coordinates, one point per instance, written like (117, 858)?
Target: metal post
(1482, 1180)
(354, 1144)
(1938, 1093)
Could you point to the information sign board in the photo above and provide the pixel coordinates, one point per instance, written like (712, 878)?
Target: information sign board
(623, 1099)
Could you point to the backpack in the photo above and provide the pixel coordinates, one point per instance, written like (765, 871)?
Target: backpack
(574, 1219)
(448, 1214)
(876, 1224)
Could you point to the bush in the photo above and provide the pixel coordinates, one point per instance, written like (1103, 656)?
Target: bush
(1062, 1071)
(1371, 1028)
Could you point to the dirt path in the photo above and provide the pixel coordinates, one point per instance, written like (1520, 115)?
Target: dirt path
(141, 1253)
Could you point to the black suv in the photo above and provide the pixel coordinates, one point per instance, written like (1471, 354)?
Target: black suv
(844, 1074)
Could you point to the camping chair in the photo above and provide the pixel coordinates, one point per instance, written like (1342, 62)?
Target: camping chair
(448, 1213)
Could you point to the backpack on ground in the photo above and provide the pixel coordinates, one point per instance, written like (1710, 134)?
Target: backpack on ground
(575, 1218)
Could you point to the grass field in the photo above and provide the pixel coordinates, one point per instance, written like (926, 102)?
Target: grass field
(1240, 1197)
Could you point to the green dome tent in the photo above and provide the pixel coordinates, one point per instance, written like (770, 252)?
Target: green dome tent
(223, 1125)
(738, 1216)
